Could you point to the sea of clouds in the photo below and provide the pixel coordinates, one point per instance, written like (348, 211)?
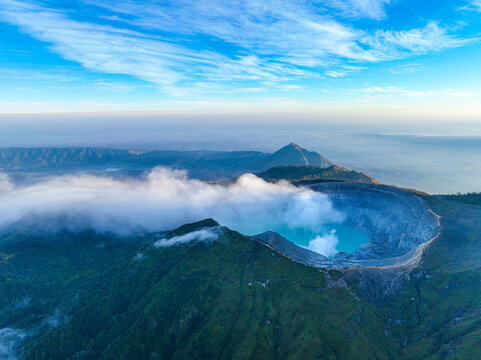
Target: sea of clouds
(166, 199)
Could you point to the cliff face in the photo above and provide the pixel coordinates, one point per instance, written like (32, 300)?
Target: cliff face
(397, 222)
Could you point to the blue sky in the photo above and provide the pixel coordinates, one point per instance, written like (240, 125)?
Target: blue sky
(134, 55)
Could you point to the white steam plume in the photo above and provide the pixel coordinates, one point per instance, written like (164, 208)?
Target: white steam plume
(325, 244)
(165, 200)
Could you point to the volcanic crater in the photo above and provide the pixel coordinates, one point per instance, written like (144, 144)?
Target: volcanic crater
(399, 223)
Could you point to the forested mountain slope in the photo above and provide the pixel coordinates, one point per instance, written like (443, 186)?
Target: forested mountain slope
(86, 295)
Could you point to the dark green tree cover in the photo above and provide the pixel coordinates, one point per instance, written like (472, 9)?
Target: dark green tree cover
(306, 174)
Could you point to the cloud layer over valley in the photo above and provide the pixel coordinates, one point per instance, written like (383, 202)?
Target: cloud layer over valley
(164, 200)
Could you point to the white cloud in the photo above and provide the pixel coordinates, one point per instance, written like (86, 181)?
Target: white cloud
(405, 68)
(373, 9)
(393, 44)
(166, 200)
(392, 90)
(38, 76)
(336, 73)
(343, 71)
(118, 51)
(474, 5)
(325, 244)
(5, 184)
(271, 42)
(294, 29)
(100, 48)
(203, 235)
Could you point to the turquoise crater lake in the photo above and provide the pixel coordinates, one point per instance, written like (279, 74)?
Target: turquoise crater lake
(328, 240)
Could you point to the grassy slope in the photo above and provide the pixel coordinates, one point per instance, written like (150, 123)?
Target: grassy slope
(206, 301)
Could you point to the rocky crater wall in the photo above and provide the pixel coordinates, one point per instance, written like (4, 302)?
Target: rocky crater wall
(398, 222)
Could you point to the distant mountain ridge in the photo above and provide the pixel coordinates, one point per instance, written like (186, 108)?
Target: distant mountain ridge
(39, 157)
(204, 165)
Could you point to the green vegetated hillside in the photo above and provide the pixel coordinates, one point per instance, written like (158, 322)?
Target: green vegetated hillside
(231, 298)
(92, 296)
(307, 174)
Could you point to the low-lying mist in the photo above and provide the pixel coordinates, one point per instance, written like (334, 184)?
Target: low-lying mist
(163, 200)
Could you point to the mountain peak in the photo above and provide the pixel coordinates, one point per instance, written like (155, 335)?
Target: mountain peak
(292, 154)
(291, 146)
(294, 145)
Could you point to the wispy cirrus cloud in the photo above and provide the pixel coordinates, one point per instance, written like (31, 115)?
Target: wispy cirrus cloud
(99, 47)
(474, 5)
(176, 44)
(396, 44)
(291, 31)
(115, 50)
(373, 9)
(393, 90)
